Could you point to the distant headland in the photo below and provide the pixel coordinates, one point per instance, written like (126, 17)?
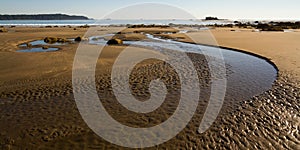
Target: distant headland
(43, 17)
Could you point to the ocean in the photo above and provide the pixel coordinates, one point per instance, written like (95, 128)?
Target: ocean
(105, 22)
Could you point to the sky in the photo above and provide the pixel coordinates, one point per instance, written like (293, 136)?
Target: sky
(99, 9)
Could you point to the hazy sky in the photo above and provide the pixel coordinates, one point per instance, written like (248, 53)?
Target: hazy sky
(230, 9)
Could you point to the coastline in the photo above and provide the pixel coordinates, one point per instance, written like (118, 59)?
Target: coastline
(241, 126)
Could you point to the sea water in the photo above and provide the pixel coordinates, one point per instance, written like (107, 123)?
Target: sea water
(105, 22)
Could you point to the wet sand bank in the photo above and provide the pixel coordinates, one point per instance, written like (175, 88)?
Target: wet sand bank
(38, 109)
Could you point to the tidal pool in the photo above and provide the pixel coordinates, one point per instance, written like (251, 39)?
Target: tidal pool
(247, 75)
(38, 49)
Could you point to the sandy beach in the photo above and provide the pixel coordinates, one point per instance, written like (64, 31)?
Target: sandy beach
(38, 110)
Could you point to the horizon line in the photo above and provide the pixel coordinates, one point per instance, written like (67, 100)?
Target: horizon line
(90, 18)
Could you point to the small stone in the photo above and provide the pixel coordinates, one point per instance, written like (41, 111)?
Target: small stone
(46, 138)
(45, 47)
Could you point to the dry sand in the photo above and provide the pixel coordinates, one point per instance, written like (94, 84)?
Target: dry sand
(37, 108)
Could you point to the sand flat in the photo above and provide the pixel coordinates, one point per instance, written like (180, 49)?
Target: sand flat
(37, 107)
(281, 47)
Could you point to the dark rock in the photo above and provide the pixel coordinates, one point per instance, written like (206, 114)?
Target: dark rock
(115, 42)
(78, 39)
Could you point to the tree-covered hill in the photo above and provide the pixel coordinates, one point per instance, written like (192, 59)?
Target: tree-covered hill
(43, 17)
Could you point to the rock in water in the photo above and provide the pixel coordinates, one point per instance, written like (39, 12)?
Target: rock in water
(45, 47)
(115, 42)
(78, 39)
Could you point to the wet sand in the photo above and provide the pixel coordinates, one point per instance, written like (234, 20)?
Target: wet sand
(38, 109)
(282, 48)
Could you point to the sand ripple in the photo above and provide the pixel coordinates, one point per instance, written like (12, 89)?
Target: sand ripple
(45, 116)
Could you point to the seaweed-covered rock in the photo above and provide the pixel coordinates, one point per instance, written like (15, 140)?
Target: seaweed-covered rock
(85, 26)
(50, 40)
(45, 47)
(62, 40)
(28, 44)
(114, 42)
(3, 30)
